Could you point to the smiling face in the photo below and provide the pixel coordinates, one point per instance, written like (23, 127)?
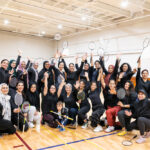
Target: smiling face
(13, 64)
(71, 67)
(20, 87)
(126, 86)
(141, 96)
(47, 65)
(110, 69)
(86, 66)
(36, 65)
(82, 85)
(23, 64)
(61, 66)
(5, 89)
(4, 64)
(93, 86)
(145, 74)
(112, 84)
(97, 65)
(33, 88)
(68, 89)
(125, 67)
(52, 89)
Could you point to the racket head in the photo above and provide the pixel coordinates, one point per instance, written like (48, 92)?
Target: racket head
(25, 107)
(127, 143)
(81, 95)
(146, 43)
(18, 99)
(92, 45)
(121, 93)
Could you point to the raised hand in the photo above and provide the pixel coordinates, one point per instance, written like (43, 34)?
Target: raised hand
(19, 52)
(77, 84)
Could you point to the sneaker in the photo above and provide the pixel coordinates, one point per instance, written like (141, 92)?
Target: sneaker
(110, 129)
(62, 129)
(147, 135)
(98, 129)
(122, 133)
(38, 127)
(84, 126)
(140, 140)
(31, 125)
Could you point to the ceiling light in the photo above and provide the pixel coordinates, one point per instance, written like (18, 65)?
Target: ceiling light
(124, 3)
(83, 18)
(43, 32)
(60, 26)
(6, 22)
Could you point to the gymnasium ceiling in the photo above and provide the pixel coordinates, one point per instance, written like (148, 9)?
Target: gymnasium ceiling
(48, 17)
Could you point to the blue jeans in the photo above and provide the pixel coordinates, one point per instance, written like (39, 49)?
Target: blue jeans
(72, 114)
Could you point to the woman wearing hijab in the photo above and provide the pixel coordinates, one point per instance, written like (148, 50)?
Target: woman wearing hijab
(46, 68)
(49, 102)
(112, 71)
(13, 64)
(6, 125)
(32, 96)
(86, 68)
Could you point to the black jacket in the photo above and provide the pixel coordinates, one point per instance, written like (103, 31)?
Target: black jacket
(141, 108)
(4, 76)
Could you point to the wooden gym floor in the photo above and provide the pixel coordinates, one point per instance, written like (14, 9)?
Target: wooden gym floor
(71, 139)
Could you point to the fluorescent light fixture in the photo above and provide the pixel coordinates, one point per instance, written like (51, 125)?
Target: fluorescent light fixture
(60, 26)
(124, 3)
(6, 22)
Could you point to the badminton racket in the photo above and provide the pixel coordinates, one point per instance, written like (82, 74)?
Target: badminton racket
(128, 142)
(121, 93)
(61, 115)
(18, 101)
(146, 43)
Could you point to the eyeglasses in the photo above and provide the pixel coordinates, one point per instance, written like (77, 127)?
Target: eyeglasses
(4, 87)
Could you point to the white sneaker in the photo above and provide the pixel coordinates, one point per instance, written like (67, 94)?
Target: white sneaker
(38, 127)
(31, 125)
(110, 129)
(98, 129)
(84, 126)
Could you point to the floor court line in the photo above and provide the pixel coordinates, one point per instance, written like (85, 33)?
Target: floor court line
(59, 145)
(21, 139)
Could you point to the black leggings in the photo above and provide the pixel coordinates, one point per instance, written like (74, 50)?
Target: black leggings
(82, 114)
(95, 117)
(7, 127)
(141, 123)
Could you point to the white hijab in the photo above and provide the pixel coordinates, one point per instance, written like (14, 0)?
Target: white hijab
(4, 100)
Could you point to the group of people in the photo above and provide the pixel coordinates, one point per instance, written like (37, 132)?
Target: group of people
(68, 93)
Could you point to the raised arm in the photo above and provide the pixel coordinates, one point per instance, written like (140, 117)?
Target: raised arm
(61, 86)
(18, 58)
(45, 83)
(103, 66)
(81, 66)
